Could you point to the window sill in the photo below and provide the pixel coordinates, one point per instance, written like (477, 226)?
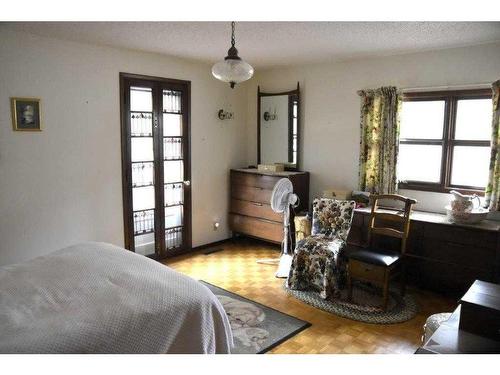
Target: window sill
(440, 189)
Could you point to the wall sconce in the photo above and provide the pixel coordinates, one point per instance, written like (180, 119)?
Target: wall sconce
(224, 115)
(268, 116)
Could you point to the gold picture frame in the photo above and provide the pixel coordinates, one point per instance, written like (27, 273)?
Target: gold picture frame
(26, 114)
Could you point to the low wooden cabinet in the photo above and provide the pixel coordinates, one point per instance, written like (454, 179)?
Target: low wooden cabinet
(250, 208)
(442, 256)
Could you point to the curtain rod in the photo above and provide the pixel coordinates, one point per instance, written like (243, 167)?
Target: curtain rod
(456, 87)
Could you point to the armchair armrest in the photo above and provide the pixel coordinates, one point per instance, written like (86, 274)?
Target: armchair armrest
(302, 227)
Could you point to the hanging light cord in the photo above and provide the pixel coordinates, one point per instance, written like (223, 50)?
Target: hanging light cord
(233, 42)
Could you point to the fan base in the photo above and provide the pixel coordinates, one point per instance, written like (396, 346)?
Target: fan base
(284, 266)
(284, 263)
(273, 261)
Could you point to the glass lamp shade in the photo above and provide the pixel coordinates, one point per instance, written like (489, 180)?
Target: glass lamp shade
(232, 70)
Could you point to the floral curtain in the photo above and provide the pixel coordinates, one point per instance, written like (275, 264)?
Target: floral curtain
(492, 193)
(379, 142)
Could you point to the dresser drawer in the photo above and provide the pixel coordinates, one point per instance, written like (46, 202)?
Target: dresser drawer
(464, 236)
(268, 230)
(251, 193)
(447, 278)
(368, 272)
(471, 256)
(253, 179)
(255, 209)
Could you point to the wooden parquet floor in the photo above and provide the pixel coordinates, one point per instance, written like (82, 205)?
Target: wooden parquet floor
(235, 269)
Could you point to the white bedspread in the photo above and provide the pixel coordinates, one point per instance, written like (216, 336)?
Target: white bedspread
(99, 298)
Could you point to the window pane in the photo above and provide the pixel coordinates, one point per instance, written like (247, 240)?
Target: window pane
(474, 119)
(173, 171)
(141, 124)
(419, 163)
(172, 148)
(145, 244)
(173, 238)
(141, 99)
(173, 216)
(174, 194)
(143, 198)
(142, 149)
(172, 101)
(470, 166)
(172, 125)
(142, 174)
(144, 222)
(422, 119)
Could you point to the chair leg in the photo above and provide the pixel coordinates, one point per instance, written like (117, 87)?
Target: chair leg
(349, 286)
(349, 283)
(385, 291)
(403, 279)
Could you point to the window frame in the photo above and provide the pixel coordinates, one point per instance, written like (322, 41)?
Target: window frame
(447, 141)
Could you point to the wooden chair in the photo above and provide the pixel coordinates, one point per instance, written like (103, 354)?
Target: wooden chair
(379, 266)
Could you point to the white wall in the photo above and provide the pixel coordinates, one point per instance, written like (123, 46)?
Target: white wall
(63, 185)
(330, 106)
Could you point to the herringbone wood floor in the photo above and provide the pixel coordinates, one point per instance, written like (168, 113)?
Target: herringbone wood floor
(236, 270)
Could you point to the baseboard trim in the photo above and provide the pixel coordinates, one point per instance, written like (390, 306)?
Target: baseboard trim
(211, 244)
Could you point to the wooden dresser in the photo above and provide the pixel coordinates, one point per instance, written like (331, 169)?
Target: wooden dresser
(250, 211)
(442, 256)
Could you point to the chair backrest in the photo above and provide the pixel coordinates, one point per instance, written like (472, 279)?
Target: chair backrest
(397, 216)
(332, 217)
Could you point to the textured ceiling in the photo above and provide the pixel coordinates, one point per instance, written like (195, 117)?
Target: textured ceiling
(265, 44)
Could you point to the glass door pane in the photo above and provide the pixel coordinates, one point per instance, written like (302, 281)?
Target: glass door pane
(173, 168)
(142, 165)
(172, 124)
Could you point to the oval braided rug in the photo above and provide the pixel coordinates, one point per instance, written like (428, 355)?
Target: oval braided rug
(364, 306)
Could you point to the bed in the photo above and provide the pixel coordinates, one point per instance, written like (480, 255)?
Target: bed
(99, 298)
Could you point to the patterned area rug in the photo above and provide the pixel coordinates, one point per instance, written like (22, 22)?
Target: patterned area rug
(256, 328)
(365, 304)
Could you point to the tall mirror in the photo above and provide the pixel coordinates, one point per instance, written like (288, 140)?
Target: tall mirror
(278, 128)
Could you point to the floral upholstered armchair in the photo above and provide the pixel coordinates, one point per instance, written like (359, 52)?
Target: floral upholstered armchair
(318, 262)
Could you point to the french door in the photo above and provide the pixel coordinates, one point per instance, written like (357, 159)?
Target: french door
(155, 164)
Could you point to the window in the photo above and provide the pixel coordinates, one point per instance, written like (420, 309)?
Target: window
(445, 141)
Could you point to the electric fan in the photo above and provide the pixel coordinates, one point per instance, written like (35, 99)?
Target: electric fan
(281, 200)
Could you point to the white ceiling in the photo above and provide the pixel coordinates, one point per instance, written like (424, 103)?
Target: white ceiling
(265, 44)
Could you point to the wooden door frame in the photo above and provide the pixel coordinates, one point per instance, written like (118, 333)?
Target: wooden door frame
(156, 83)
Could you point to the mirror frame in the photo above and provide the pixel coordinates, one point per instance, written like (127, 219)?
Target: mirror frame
(296, 93)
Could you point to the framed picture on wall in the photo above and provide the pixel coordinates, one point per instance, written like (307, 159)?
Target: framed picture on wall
(26, 114)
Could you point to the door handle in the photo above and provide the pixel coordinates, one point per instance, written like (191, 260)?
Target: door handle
(187, 183)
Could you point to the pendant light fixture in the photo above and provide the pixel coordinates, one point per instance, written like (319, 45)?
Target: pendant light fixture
(232, 69)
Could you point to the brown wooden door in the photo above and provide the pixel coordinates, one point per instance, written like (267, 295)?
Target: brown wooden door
(156, 165)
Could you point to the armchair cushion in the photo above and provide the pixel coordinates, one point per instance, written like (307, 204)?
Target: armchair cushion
(318, 262)
(316, 265)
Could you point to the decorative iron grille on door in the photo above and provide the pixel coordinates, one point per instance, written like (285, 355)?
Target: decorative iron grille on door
(155, 164)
